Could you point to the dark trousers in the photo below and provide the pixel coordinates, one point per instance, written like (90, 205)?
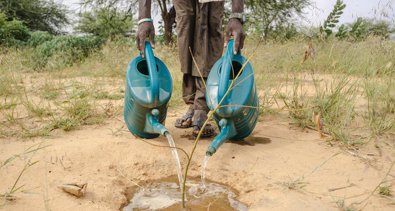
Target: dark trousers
(199, 32)
(193, 92)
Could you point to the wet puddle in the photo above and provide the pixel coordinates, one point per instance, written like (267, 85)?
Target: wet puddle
(165, 195)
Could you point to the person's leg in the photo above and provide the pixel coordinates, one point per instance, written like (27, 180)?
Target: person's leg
(200, 97)
(209, 40)
(188, 95)
(216, 41)
(188, 89)
(201, 110)
(185, 18)
(208, 49)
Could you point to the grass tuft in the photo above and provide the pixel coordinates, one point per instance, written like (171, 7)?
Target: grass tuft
(385, 190)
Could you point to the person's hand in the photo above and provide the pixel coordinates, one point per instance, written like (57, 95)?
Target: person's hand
(145, 30)
(235, 29)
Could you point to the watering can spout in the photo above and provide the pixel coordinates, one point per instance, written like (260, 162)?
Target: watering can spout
(152, 124)
(228, 130)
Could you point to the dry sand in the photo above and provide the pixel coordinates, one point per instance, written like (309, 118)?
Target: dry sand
(261, 169)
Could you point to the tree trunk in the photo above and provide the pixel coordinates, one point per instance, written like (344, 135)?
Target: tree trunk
(168, 33)
(168, 22)
(266, 34)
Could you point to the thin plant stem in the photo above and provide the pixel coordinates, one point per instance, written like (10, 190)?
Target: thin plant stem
(206, 122)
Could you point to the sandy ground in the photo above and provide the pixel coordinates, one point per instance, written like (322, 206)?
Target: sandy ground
(277, 168)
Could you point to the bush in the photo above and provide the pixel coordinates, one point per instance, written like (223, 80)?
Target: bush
(39, 37)
(64, 51)
(106, 23)
(12, 32)
(363, 28)
(284, 33)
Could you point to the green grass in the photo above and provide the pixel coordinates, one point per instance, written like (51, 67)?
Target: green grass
(294, 184)
(372, 57)
(49, 91)
(351, 86)
(66, 124)
(104, 95)
(380, 95)
(37, 110)
(341, 205)
(8, 103)
(335, 102)
(297, 103)
(385, 190)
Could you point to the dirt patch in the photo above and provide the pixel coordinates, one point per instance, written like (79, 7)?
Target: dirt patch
(278, 168)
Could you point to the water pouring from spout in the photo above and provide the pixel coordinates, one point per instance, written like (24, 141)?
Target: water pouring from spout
(175, 157)
(203, 172)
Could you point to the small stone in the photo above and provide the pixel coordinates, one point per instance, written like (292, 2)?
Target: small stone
(75, 189)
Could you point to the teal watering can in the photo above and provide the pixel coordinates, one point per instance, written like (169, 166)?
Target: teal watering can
(148, 91)
(238, 114)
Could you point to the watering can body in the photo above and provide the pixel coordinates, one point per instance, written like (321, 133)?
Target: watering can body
(147, 94)
(238, 112)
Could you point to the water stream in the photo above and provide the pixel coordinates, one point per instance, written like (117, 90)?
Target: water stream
(176, 159)
(203, 172)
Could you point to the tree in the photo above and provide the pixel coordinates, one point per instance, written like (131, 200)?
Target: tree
(168, 16)
(130, 6)
(266, 15)
(105, 22)
(38, 15)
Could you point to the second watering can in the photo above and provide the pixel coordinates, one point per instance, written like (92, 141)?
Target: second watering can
(148, 91)
(238, 112)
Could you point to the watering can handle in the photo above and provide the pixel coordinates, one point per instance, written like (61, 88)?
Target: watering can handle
(153, 73)
(225, 71)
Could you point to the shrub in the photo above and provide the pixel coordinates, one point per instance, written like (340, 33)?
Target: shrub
(12, 32)
(64, 51)
(39, 37)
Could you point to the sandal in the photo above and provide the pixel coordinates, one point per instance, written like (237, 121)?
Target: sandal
(186, 120)
(208, 131)
(199, 119)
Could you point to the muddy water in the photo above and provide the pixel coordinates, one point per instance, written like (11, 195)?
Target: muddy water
(165, 195)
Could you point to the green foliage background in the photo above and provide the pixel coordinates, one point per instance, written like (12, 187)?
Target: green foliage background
(106, 23)
(37, 15)
(12, 32)
(35, 24)
(64, 51)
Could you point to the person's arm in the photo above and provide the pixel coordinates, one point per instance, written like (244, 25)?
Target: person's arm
(235, 26)
(146, 26)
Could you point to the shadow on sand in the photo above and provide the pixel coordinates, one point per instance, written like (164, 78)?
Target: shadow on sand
(253, 140)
